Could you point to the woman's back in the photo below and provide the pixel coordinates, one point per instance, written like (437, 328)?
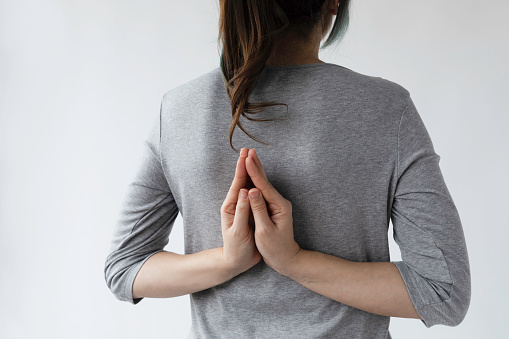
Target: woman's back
(350, 153)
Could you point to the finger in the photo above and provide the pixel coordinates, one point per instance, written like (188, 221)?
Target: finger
(252, 153)
(239, 180)
(243, 152)
(242, 211)
(259, 208)
(270, 194)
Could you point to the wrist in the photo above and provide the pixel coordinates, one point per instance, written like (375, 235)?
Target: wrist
(226, 265)
(291, 266)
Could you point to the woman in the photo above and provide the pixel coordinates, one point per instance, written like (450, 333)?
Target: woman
(309, 258)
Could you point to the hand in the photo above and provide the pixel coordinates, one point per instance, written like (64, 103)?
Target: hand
(239, 249)
(273, 220)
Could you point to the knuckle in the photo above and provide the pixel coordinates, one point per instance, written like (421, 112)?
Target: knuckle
(285, 207)
(258, 207)
(241, 208)
(228, 208)
(288, 205)
(261, 232)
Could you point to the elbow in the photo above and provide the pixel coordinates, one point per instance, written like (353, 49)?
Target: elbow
(460, 303)
(120, 273)
(115, 277)
(449, 312)
(440, 300)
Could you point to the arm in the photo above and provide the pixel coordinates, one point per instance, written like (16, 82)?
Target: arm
(142, 231)
(145, 220)
(427, 228)
(168, 274)
(375, 287)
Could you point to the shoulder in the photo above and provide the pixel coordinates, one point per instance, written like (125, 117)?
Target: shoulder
(373, 90)
(195, 89)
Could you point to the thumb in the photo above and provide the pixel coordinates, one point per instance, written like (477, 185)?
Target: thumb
(259, 208)
(242, 210)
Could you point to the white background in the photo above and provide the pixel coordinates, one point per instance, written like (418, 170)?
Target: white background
(79, 81)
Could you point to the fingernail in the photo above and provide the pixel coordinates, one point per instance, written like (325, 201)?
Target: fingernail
(243, 194)
(255, 194)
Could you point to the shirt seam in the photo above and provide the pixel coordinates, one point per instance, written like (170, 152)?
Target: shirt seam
(397, 148)
(161, 161)
(395, 184)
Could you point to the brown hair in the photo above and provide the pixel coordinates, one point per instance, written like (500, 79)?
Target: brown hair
(247, 29)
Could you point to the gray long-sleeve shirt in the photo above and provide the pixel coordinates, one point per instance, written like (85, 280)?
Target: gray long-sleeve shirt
(351, 154)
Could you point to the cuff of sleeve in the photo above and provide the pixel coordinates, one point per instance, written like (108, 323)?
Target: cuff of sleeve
(433, 303)
(131, 276)
(414, 292)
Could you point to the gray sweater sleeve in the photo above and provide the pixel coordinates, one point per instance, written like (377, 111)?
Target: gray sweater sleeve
(145, 220)
(427, 228)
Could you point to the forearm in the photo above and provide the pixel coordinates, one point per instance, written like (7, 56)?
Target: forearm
(375, 287)
(168, 274)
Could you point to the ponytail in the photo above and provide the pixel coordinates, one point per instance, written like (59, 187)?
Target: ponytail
(247, 29)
